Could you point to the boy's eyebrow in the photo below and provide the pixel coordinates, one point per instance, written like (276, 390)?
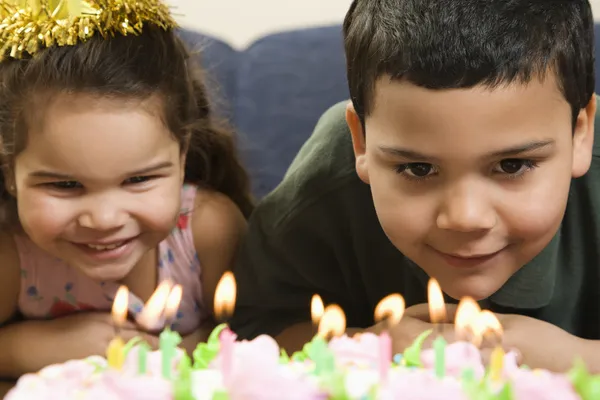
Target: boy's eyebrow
(524, 148)
(57, 175)
(511, 151)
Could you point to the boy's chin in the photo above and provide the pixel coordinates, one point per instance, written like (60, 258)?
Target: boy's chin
(478, 291)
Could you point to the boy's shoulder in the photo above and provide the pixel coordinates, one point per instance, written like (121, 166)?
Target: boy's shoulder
(323, 168)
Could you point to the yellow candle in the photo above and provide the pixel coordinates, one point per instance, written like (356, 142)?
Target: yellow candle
(496, 364)
(115, 354)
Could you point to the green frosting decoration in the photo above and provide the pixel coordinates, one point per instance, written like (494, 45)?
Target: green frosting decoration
(220, 395)
(130, 345)
(506, 393)
(585, 384)
(302, 355)
(97, 367)
(319, 353)
(183, 383)
(334, 383)
(373, 393)
(283, 357)
(412, 355)
(206, 352)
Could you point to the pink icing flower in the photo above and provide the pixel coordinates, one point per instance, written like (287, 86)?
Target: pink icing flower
(459, 356)
(361, 350)
(541, 385)
(421, 384)
(262, 350)
(134, 387)
(255, 382)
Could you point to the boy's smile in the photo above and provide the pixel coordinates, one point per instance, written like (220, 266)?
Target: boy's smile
(471, 184)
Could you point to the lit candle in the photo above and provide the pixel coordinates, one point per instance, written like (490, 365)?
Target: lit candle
(151, 317)
(224, 304)
(169, 340)
(466, 314)
(331, 324)
(316, 310)
(437, 313)
(114, 353)
(488, 323)
(390, 309)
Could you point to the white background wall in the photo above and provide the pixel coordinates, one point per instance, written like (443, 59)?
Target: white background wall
(239, 22)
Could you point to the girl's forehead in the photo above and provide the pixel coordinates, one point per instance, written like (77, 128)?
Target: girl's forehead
(95, 134)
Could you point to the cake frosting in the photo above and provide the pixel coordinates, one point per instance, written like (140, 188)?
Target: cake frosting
(345, 368)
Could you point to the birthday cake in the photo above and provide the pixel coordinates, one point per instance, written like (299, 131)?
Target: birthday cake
(342, 369)
(332, 366)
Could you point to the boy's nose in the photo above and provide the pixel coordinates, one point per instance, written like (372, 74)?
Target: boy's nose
(466, 209)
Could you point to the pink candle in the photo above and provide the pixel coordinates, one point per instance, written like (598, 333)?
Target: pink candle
(385, 355)
(227, 341)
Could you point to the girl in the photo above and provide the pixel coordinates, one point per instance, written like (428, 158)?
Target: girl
(113, 174)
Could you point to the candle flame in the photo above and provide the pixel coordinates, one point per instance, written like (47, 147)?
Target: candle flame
(466, 315)
(437, 308)
(391, 308)
(316, 309)
(173, 302)
(151, 315)
(487, 322)
(333, 322)
(119, 308)
(225, 296)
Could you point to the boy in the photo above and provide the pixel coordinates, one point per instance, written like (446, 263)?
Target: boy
(464, 156)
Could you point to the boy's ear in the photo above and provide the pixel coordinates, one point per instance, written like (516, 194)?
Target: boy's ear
(583, 139)
(358, 142)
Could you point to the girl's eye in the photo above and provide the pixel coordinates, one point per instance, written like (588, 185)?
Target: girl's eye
(136, 180)
(65, 185)
(416, 171)
(514, 167)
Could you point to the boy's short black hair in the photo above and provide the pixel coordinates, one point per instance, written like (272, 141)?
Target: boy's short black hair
(444, 44)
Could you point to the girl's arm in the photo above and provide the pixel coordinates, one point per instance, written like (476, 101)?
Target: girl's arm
(217, 227)
(28, 346)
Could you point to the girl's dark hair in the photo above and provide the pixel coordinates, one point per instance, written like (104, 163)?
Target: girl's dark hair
(155, 62)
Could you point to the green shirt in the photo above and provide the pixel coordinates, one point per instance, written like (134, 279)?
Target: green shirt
(317, 232)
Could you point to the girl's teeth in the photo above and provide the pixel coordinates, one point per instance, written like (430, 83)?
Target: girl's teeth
(107, 247)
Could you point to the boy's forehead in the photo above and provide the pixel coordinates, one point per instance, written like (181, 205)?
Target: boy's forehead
(401, 103)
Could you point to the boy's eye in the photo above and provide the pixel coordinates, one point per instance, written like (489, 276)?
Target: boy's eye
(137, 180)
(416, 170)
(65, 185)
(515, 166)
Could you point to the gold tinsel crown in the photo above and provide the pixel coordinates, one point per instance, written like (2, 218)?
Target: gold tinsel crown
(26, 26)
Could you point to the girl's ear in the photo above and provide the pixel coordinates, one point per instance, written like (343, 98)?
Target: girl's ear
(9, 180)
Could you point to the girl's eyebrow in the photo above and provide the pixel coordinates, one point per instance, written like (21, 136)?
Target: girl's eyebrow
(57, 175)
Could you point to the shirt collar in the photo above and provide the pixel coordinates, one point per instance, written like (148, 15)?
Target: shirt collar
(533, 285)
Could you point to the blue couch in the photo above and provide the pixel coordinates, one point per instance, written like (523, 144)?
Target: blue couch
(274, 91)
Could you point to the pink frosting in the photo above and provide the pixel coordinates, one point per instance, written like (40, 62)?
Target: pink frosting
(459, 356)
(275, 383)
(256, 367)
(540, 385)
(263, 349)
(361, 350)
(422, 385)
(136, 387)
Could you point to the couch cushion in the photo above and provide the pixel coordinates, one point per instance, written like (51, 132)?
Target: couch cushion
(218, 61)
(285, 82)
